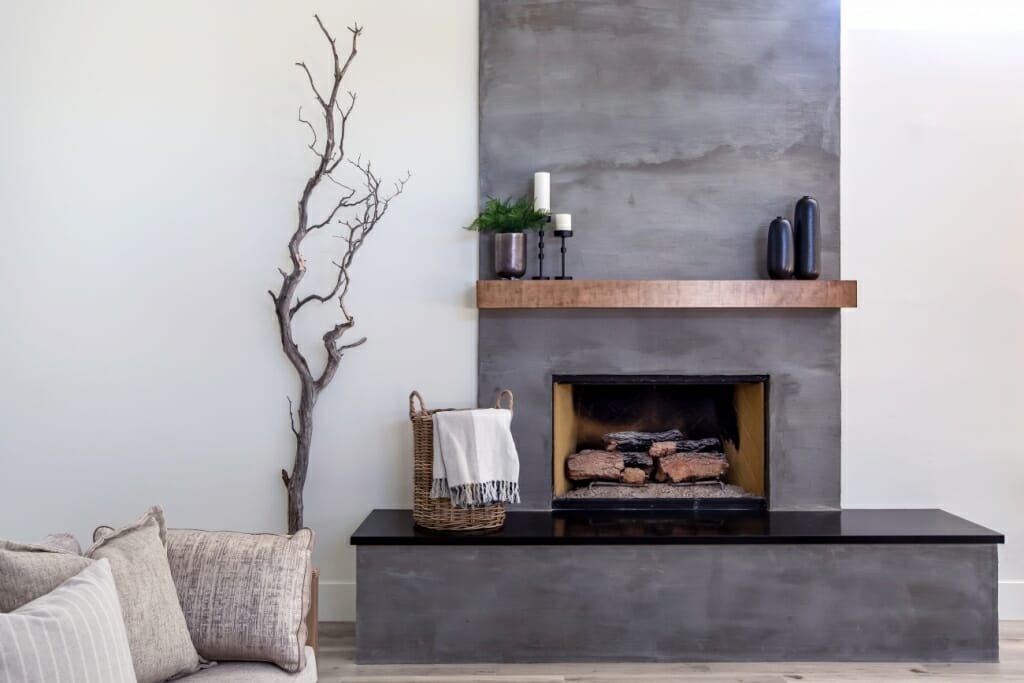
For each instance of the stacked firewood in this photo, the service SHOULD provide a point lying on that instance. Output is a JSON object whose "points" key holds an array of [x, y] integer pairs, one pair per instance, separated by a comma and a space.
{"points": [[642, 457]]}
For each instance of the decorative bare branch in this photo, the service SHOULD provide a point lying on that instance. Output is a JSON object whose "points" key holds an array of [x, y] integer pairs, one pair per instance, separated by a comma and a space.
{"points": [[312, 145], [291, 415], [359, 212]]}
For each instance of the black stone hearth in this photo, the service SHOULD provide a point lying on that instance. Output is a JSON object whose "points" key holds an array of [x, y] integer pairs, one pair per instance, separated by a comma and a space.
{"points": [[851, 585], [395, 527]]}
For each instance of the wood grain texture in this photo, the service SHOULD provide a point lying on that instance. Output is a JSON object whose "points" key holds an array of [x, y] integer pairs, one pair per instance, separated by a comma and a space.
{"points": [[313, 616], [666, 294], [337, 665]]}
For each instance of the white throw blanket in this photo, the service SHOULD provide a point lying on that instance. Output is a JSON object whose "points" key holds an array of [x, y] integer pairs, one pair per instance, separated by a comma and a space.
{"points": [[475, 458]]}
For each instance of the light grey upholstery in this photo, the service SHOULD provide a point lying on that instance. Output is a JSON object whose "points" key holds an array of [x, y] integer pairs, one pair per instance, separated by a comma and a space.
{"points": [[255, 672]]}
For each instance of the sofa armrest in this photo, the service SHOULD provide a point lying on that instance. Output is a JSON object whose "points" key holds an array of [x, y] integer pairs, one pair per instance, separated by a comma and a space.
{"points": [[312, 617]]}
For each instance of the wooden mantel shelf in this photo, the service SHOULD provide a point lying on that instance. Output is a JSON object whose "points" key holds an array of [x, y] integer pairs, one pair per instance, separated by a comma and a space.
{"points": [[666, 294]]}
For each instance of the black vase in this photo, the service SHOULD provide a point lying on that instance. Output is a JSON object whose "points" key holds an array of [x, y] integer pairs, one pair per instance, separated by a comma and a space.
{"points": [[807, 238], [780, 249]]}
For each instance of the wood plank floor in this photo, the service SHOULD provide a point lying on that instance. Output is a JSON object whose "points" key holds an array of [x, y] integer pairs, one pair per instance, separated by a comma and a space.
{"points": [[337, 665]]}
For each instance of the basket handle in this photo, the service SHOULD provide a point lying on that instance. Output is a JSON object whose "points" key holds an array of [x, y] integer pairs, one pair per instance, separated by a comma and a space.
{"points": [[503, 394], [415, 396]]}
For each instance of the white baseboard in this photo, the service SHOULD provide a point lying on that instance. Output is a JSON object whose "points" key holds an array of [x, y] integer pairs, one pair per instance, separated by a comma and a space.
{"points": [[1011, 599], [337, 600]]}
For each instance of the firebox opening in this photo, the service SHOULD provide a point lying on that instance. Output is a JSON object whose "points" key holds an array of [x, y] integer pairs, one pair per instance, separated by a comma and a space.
{"points": [[623, 441]]}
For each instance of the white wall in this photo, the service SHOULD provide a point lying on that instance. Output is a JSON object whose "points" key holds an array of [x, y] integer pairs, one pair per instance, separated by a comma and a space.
{"points": [[933, 199], [149, 168], [150, 161]]}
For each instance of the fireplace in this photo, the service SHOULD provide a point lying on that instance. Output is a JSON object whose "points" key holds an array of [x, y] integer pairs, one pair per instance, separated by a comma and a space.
{"points": [[660, 442], [662, 190]]}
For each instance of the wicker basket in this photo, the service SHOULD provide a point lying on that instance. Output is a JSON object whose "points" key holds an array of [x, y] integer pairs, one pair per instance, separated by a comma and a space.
{"points": [[438, 514]]}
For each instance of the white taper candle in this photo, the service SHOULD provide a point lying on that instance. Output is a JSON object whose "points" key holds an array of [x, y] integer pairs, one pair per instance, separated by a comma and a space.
{"points": [[542, 192]]}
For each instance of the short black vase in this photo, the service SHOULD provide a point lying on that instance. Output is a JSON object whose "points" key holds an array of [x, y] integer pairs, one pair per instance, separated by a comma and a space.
{"points": [[780, 249], [807, 239]]}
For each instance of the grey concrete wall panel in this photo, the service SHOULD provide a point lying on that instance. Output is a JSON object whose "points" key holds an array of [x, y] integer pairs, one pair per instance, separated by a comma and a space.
{"points": [[675, 131], [521, 350], [449, 604]]}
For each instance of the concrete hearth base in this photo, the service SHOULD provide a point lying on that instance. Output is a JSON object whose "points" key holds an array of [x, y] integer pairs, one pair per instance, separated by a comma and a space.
{"points": [[795, 595]]}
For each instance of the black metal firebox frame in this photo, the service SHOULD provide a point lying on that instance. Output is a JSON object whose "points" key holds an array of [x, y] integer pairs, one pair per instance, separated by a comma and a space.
{"points": [[679, 504]]}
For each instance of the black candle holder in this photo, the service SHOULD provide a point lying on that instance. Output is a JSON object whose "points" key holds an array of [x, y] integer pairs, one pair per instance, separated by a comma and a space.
{"points": [[540, 252], [563, 234]]}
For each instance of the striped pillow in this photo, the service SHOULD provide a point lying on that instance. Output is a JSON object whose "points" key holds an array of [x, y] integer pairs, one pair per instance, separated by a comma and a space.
{"points": [[74, 633]]}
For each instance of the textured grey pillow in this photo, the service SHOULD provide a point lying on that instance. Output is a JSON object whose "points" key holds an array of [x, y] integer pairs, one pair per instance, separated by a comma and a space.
{"points": [[159, 638], [73, 633], [28, 571], [63, 542], [245, 596]]}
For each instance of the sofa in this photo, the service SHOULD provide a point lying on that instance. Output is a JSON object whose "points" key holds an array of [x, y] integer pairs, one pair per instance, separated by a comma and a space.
{"points": [[146, 603]]}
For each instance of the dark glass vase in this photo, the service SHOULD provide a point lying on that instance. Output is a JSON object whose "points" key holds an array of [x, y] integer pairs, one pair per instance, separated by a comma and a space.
{"points": [[807, 239], [780, 249], [510, 255]]}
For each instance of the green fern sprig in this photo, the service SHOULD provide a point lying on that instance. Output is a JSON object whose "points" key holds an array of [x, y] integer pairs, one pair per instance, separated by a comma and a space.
{"points": [[508, 216]]}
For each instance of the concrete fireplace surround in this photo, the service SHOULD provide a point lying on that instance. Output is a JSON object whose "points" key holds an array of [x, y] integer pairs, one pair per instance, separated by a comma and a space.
{"points": [[798, 350], [675, 131]]}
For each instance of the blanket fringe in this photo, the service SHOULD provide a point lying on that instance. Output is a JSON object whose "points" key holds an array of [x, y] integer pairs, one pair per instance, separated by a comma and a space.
{"points": [[439, 489], [475, 495]]}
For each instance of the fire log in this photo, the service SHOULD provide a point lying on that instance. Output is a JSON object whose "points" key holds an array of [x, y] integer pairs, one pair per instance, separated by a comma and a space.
{"points": [[642, 461], [662, 448], [595, 465], [633, 475], [709, 445], [638, 441], [692, 466]]}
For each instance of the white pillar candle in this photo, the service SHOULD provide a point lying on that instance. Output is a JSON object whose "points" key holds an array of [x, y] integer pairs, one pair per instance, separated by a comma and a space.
{"points": [[542, 192], [563, 221]]}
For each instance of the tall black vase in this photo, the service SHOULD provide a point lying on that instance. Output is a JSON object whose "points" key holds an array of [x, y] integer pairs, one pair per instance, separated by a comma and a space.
{"points": [[780, 249], [807, 238]]}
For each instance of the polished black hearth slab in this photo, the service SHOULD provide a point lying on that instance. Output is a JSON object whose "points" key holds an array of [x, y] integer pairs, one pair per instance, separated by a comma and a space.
{"points": [[395, 527]]}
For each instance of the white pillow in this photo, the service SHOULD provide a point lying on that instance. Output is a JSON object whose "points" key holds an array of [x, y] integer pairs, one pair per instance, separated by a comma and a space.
{"points": [[73, 633]]}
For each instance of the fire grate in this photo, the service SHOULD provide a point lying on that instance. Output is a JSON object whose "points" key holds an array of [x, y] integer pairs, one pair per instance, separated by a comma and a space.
{"points": [[699, 482]]}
